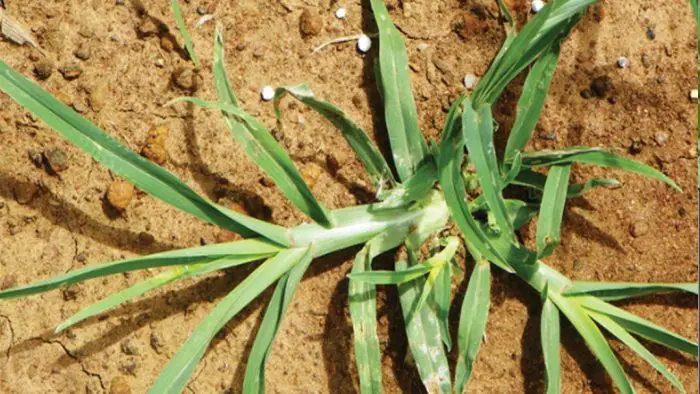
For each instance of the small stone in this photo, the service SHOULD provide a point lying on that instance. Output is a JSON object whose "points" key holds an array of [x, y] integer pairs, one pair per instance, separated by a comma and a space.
{"points": [[148, 27], [43, 68], [646, 60], [167, 44], [70, 294], [160, 62], [83, 52], [635, 147], [623, 62], [661, 138], [693, 94], [638, 229], [129, 368], [202, 11], [81, 257], [8, 282], [184, 78], [71, 70], [267, 93], [651, 34], [119, 385], [600, 86], [119, 194], [341, 13], [266, 181], [154, 149], [586, 94], [612, 100], [56, 159], [36, 158], [24, 192], [98, 97], [79, 107], [157, 343], [129, 348], [469, 81], [145, 239], [364, 43], [310, 23], [537, 6], [422, 47]]}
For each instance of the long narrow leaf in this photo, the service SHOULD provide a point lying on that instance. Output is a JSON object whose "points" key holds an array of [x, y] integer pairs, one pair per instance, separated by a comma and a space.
{"points": [[414, 189], [477, 131], [550, 337], [532, 100], [535, 180], [552, 210], [596, 157], [180, 368], [160, 280], [182, 26], [143, 173], [617, 330], [366, 152], [442, 294], [254, 381], [472, 322], [269, 155], [613, 291], [594, 339], [641, 327], [423, 333], [407, 143], [249, 248]]}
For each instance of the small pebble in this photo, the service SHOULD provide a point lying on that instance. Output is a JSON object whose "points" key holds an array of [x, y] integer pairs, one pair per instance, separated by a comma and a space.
{"points": [[43, 68], [202, 11], [83, 52], [310, 23], [71, 70], [341, 12], [154, 148], [147, 28], [24, 192], [98, 97], [623, 62], [129, 348], [651, 34], [36, 158], [537, 6], [160, 63], [364, 43], [586, 94], [119, 194], [157, 342], [8, 282], [638, 229], [661, 138], [422, 47], [612, 100], [469, 81], [267, 93], [646, 60], [56, 159], [600, 86], [79, 107], [693, 94], [184, 78], [635, 147]]}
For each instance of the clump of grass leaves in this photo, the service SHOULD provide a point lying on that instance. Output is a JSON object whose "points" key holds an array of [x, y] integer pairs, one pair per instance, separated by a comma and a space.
{"points": [[429, 193]]}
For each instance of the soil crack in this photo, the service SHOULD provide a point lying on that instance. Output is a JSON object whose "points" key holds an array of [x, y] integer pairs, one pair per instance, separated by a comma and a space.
{"points": [[74, 358], [12, 336]]}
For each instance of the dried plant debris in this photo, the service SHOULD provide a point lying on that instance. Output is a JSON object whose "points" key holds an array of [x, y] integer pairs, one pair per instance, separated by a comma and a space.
{"points": [[11, 30]]}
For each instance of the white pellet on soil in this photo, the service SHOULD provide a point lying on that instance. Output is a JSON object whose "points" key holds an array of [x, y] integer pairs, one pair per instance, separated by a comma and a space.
{"points": [[623, 62], [364, 43], [537, 6], [341, 12], [267, 93], [469, 81]]}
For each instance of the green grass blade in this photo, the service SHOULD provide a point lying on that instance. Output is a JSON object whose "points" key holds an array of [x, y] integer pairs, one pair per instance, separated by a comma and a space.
{"points": [[414, 189], [143, 173], [363, 311], [160, 280], [535, 180], [472, 322], [641, 327], [531, 101], [390, 277], [423, 333], [594, 339], [449, 164], [254, 381], [269, 155], [625, 337], [180, 368], [597, 157], [224, 90], [613, 291], [520, 212], [442, 294], [252, 248], [407, 143], [182, 26], [477, 131], [366, 151], [551, 345], [552, 210]]}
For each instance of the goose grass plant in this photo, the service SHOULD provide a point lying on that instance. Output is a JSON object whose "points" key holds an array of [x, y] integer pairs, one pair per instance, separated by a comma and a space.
{"points": [[428, 195]]}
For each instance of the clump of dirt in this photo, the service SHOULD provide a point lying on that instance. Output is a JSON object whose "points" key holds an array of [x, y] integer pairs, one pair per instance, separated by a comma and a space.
{"points": [[121, 60]]}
